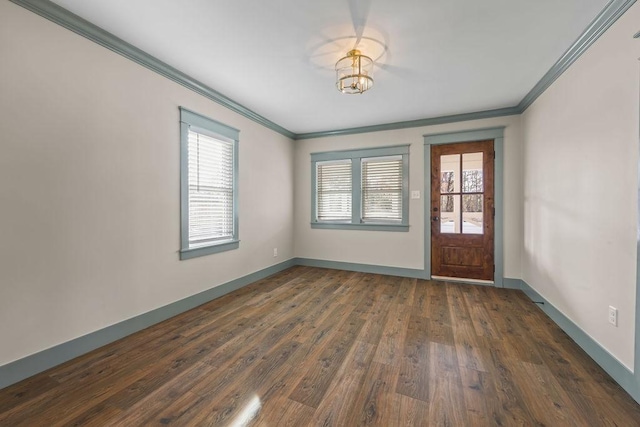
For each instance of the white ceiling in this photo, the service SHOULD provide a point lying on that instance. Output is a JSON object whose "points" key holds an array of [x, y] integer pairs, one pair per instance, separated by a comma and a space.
{"points": [[276, 57]]}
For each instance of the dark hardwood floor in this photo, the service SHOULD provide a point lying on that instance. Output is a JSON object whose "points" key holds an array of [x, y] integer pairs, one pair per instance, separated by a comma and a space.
{"points": [[321, 347]]}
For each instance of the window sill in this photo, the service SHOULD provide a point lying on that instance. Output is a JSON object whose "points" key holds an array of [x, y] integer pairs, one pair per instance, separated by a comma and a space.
{"points": [[207, 250], [370, 227]]}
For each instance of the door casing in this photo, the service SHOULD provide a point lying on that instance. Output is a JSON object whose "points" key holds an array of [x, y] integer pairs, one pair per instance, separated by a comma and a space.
{"points": [[497, 134]]}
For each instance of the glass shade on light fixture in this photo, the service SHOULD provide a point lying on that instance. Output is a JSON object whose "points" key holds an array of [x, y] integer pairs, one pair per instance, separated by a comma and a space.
{"points": [[354, 73]]}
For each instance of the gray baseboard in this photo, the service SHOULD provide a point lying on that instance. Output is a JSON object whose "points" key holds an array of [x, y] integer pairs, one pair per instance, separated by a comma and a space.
{"points": [[512, 283], [39, 362], [362, 268], [28, 366], [620, 373], [43, 360]]}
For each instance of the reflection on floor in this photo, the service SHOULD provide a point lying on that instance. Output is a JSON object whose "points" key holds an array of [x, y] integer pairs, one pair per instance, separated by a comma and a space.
{"points": [[320, 347]]}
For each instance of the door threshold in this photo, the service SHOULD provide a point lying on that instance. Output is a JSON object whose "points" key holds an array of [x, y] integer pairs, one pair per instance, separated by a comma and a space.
{"points": [[463, 280]]}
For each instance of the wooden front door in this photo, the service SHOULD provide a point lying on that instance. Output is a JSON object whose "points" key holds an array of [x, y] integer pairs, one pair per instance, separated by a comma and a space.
{"points": [[462, 210]]}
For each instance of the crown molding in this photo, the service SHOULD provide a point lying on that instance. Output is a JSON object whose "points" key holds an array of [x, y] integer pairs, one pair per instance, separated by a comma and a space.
{"points": [[78, 25], [500, 112], [71, 21], [596, 28], [610, 14]]}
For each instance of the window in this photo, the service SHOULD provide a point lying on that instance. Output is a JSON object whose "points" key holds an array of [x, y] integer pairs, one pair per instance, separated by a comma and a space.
{"points": [[361, 189], [382, 189], [208, 188], [334, 190]]}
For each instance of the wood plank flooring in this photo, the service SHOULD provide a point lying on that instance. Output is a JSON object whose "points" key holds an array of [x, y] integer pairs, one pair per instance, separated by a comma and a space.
{"points": [[321, 347]]}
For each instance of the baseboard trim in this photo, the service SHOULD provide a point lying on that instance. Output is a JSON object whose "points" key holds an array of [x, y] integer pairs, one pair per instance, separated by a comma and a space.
{"points": [[512, 283], [619, 372], [362, 268], [39, 362]]}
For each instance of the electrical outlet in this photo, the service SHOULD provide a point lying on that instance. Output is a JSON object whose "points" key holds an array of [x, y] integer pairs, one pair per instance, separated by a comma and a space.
{"points": [[275, 252], [613, 316], [415, 194]]}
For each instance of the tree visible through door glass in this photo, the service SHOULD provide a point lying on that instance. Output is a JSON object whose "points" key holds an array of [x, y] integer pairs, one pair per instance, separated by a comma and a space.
{"points": [[461, 193], [450, 193], [472, 189]]}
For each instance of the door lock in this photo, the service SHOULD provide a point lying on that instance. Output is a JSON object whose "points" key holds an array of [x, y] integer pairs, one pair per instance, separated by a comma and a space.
{"points": [[435, 218]]}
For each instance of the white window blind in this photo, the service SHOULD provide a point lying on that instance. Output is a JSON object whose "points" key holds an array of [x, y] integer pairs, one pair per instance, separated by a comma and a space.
{"points": [[333, 181], [210, 186], [382, 188]]}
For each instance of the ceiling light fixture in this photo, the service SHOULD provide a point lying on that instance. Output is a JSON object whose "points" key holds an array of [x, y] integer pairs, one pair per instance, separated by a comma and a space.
{"points": [[354, 73]]}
